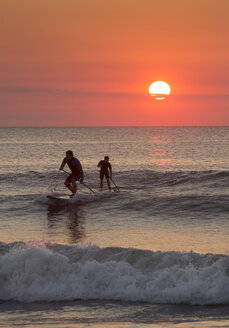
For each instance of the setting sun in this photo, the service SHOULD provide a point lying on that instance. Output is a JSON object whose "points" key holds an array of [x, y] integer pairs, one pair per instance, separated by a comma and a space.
{"points": [[159, 90]]}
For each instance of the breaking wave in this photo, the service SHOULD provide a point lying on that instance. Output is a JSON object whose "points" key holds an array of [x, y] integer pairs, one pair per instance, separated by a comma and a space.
{"points": [[54, 272]]}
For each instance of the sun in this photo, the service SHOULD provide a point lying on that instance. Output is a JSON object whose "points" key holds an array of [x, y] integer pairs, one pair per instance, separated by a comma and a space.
{"points": [[159, 90]]}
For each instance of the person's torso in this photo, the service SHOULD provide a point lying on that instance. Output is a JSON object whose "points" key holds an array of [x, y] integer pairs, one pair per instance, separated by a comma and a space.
{"points": [[104, 166], [75, 165]]}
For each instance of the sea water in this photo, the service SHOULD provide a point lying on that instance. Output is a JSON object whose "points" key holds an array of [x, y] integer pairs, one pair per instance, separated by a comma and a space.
{"points": [[154, 254]]}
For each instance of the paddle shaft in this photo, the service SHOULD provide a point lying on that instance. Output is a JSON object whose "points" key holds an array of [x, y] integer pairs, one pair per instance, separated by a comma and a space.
{"points": [[81, 182], [88, 187], [115, 184], [66, 172]]}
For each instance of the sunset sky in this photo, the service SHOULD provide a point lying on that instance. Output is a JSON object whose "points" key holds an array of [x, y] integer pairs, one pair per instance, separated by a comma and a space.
{"points": [[91, 62]]}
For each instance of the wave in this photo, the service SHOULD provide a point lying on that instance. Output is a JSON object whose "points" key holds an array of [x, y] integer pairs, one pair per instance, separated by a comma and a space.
{"points": [[177, 178], [31, 175], [165, 178], [174, 205], [53, 272]]}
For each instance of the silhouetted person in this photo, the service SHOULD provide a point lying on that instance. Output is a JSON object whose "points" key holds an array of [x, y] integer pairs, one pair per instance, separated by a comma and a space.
{"points": [[105, 169], [77, 171]]}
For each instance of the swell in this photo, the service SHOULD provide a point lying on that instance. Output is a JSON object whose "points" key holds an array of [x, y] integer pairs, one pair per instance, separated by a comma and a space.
{"points": [[174, 205], [166, 178], [147, 191], [177, 178]]}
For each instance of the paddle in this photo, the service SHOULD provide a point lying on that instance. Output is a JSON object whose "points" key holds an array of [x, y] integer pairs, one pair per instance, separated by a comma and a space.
{"points": [[65, 172], [88, 187], [115, 185], [81, 182]]}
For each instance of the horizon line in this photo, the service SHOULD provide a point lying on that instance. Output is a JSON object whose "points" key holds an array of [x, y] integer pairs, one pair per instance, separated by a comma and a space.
{"points": [[72, 92], [110, 126]]}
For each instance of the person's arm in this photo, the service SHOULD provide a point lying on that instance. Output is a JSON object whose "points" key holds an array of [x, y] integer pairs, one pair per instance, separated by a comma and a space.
{"points": [[110, 168], [63, 164], [99, 164], [81, 176], [79, 166]]}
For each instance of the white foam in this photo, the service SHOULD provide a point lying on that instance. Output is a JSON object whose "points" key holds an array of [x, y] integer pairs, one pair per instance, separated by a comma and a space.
{"points": [[57, 272]]}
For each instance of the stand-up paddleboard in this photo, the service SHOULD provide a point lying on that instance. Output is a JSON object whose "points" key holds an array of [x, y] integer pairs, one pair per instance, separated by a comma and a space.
{"points": [[59, 197]]}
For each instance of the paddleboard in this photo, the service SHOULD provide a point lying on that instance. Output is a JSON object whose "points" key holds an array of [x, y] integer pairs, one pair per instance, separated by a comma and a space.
{"points": [[59, 197]]}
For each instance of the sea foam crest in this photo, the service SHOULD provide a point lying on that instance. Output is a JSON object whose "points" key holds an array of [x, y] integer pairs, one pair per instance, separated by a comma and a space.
{"points": [[59, 272]]}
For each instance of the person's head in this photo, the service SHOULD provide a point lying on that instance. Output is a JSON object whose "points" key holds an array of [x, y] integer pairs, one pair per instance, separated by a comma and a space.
{"points": [[69, 154], [106, 159]]}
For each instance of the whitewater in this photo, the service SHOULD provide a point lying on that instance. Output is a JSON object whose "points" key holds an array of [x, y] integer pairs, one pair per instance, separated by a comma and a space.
{"points": [[61, 273]]}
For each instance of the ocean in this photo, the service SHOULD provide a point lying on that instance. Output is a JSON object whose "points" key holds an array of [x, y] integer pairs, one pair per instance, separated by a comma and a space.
{"points": [[152, 254]]}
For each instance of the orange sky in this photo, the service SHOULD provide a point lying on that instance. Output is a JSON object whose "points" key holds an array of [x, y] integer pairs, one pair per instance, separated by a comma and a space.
{"points": [[90, 62]]}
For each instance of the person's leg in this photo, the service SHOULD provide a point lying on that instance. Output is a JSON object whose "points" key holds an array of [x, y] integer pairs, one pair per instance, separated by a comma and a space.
{"points": [[101, 184], [74, 186], [101, 181], [68, 185], [68, 182], [108, 183]]}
